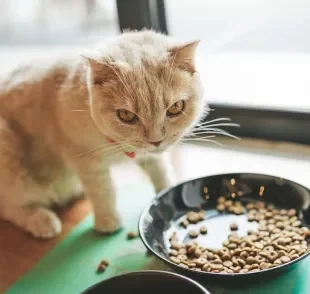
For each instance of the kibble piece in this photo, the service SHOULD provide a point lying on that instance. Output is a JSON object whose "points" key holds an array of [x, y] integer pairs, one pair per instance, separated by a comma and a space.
{"points": [[272, 256], [193, 234], [201, 262], [285, 259], [234, 227], [251, 218], [175, 259], [182, 251], [250, 260], [244, 254], [241, 262], [238, 210], [175, 245], [205, 267], [193, 219], [302, 251], [237, 269], [228, 203], [259, 259], [220, 207], [296, 223], [254, 270], [203, 230], [232, 246], [265, 265], [182, 257], [282, 253], [101, 268], [185, 223], [191, 264], [201, 215], [221, 200], [216, 266], [105, 262], [198, 253], [227, 263], [173, 252], [192, 249], [291, 212], [132, 235], [183, 265], [294, 256], [244, 270], [277, 261], [254, 266], [249, 206], [258, 245], [251, 232]]}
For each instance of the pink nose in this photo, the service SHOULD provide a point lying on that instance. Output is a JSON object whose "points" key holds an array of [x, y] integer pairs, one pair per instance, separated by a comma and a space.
{"points": [[156, 144]]}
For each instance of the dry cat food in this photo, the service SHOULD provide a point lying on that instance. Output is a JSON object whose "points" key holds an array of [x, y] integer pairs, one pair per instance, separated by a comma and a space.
{"points": [[280, 238], [102, 266], [132, 235]]}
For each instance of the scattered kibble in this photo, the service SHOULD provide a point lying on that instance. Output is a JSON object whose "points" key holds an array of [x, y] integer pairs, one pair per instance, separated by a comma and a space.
{"points": [[280, 238], [203, 230], [102, 266], [132, 235], [193, 234], [234, 227]]}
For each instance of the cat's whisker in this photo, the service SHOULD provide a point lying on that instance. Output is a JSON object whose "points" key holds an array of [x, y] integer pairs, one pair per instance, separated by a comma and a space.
{"points": [[205, 140], [215, 120], [217, 125], [191, 138], [212, 131], [216, 132]]}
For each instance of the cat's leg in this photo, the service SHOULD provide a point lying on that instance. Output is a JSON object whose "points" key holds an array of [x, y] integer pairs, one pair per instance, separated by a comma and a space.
{"points": [[160, 170], [37, 220], [100, 190]]}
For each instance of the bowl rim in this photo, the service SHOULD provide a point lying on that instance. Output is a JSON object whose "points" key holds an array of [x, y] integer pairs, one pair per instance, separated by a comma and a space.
{"points": [[202, 273], [151, 272]]}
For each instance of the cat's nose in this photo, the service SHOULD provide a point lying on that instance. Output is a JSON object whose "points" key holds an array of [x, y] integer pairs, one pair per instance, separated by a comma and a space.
{"points": [[156, 144]]}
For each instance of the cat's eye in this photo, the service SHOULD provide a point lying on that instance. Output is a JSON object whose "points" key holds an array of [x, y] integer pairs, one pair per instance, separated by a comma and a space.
{"points": [[176, 108], [127, 116]]}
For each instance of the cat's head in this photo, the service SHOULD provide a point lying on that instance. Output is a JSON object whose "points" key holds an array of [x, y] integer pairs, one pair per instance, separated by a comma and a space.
{"points": [[145, 92]]}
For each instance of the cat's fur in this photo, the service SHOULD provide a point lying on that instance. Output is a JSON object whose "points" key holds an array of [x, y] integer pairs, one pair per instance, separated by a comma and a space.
{"points": [[55, 121]]}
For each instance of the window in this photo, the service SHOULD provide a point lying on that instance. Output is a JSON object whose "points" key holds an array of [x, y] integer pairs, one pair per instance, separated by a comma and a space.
{"points": [[253, 53]]}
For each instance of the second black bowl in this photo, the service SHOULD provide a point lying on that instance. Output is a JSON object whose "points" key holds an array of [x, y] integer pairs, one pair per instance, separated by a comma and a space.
{"points": [[151, 282]]}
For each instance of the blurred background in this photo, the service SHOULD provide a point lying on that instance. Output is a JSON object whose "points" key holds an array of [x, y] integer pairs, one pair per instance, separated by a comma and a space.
{"points": [[254, 55]]}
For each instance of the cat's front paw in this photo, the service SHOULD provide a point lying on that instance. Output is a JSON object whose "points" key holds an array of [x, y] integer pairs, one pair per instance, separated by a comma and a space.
{"points": [[43, 223], [108, 223]]}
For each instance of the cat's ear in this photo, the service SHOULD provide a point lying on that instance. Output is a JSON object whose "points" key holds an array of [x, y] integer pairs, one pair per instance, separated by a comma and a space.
{"points": [[102, 72], [183, 56]]}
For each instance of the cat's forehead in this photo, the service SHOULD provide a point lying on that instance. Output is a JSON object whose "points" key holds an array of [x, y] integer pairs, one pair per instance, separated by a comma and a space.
{"points": [[152, 90]]}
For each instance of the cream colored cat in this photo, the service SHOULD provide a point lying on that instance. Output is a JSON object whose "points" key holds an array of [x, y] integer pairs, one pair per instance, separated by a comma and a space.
{"points": [[66, 122]]}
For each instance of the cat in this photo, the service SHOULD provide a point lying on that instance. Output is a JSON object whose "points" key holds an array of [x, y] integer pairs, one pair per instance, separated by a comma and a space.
{"points": [[64, 123]]}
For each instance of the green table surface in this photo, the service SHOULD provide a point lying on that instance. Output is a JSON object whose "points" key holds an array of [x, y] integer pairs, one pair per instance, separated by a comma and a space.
{"points": [[71, 266]]}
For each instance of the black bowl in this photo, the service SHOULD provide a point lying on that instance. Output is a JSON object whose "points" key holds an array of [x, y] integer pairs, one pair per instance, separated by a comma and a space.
{"points": [[163, 215], [151, 282]]}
